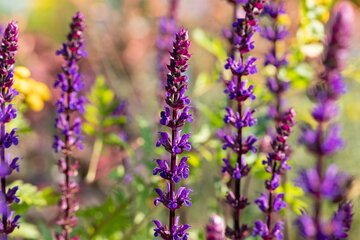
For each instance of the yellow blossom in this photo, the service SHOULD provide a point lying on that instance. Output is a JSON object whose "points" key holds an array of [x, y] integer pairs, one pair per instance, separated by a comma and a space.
{"points": [[34, 93]]}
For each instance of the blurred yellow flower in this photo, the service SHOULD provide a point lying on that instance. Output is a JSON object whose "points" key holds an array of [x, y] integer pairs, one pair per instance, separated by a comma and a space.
{"points": [[35, 93], [284, 19]]}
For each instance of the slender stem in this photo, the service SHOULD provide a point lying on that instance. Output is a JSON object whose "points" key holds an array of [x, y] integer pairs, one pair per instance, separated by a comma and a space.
{"points": [[94, 161], [3, 179], [319, 169], [67, 170], [237, 213], [172, 166], [271, 196]]}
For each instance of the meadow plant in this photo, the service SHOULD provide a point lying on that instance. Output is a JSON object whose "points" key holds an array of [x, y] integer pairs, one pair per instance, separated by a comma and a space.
{"points": [[174, 116], [68, 123], [9, 47], [241, 116], [326, 182], [276, 165]]}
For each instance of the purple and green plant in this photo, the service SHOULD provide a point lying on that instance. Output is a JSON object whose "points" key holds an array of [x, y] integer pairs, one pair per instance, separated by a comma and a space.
{"points": [[276, 165], [105, 117], [239, 115], [70, 107], [326, 182], [9, 47], [174, 116]]}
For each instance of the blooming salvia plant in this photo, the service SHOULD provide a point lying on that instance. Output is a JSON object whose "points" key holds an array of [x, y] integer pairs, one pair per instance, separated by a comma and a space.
{"points": [[215, 229], [276, 165], [326, 182], [275, 32], [167, 30], [240, 117], [68, 123], [174, 116], [9, 47]]}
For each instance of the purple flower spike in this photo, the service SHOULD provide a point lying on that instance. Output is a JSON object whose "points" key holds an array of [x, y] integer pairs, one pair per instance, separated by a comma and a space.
{"points": [[167, 31], [69, 136], [275, 33], [238, 117], [174, 116], [9, 47], [276, 165], [326, 182]]}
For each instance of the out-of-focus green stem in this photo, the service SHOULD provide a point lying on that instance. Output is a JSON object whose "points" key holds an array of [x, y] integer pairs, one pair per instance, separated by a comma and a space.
{"points": [[94, 161]]}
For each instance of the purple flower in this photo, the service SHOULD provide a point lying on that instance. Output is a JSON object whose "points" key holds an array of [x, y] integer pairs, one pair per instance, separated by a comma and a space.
{"points": [[332, 186], [9, 47], [181, 170], [174, 116], [215, 229], [307, 226], [342, 220], [178, 231], [69, 106], [329, 144], [262, 202]]}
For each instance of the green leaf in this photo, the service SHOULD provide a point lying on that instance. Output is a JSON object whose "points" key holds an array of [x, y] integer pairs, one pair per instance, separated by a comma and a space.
{"points": [[26, 231]]}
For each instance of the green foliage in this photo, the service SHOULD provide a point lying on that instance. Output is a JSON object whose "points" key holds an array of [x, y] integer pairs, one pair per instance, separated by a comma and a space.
{"points": [[293, 196], [124, 214], [30, 197], [99, 113]]}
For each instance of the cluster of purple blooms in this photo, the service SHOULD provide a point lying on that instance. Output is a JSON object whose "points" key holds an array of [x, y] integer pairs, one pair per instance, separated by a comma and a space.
{"points": [[9, 47], [241, 117], [326, 182], [69, 106], [174, 116], [276, 165], [167, 30], [274, 32]]}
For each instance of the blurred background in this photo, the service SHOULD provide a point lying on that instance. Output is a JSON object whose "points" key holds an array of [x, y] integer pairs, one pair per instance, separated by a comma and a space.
{"points": [[121, 119]]}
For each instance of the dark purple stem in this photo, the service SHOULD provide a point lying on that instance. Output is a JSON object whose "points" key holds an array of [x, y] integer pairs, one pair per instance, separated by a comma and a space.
{"points": [[3, 179], [172, 167]]}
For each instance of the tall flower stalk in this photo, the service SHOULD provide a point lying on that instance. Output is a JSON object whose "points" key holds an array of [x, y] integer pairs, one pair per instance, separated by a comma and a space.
{"points": [[238, 115], [276, 165], [68, 122], [174, 116], [167, 30], [326, 182], [275, 32], [9, 47]]}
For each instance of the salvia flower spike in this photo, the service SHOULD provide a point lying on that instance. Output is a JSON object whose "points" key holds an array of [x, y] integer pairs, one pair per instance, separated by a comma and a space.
{"points": [[326, 182], [276, 165], [68, 122], [174, 116], [275, 32], [239, 91], [9, 47]]}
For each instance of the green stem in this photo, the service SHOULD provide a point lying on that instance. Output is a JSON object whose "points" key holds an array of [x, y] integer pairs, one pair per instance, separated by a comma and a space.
{"points": [[94, 161]]}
